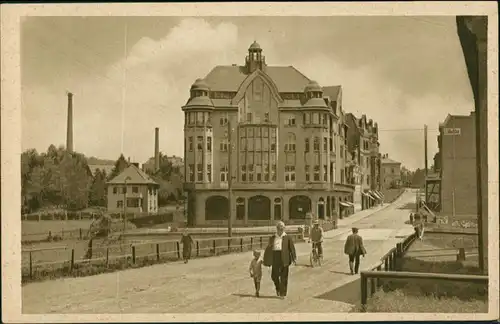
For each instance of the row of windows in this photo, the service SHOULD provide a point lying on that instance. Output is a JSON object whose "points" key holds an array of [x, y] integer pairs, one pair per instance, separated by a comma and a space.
{"points": [[257, 132], [123, 190], [131, 203], [251, 118], [258, 172], [251, 144]]}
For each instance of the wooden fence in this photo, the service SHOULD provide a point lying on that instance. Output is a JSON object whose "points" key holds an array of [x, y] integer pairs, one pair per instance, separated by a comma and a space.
{"points": [[66, 259], [388, 268], [388, 263]]}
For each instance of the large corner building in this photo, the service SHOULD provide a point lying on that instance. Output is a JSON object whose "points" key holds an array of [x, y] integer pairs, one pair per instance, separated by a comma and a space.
{"points": [[285, 136]]}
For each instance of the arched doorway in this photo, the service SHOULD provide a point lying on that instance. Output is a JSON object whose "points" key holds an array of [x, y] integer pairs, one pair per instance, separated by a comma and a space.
{"points": [[259, 208], [216, 208], [321, 208], [240, 208], [277, 209], [299, 206]]}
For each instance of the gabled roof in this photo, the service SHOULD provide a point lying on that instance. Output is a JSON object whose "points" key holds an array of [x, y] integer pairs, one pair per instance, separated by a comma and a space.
{"points": [[389, 161], [134, 175], [229, 78]]}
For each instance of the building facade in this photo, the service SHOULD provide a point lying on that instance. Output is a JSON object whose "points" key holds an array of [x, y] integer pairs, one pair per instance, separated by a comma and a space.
{"points": [[390, 173], [363, 146], [456, 165], [271, 134], [136, 188]]}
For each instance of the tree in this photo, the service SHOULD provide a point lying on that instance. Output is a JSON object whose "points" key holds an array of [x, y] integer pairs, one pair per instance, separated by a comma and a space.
{"points": [[120, 165], [97, 195]]}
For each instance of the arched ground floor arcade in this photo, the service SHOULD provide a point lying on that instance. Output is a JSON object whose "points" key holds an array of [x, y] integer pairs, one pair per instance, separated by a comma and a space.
{"points": [[255, 207]]}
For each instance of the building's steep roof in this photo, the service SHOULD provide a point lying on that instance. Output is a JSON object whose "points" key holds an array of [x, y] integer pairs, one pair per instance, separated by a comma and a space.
{"points": [[332, 92], [389, 161], [229, 78], [134, 175]]}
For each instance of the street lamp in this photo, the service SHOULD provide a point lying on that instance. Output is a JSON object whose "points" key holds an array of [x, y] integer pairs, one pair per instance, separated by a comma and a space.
{"points": [[230, 180], [125, 204]]}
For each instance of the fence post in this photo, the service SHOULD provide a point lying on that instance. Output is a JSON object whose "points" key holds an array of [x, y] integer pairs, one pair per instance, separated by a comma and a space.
{"points": [[261, 242], [157, 251], [229, 245], [197, 248], [461, 254], [251, 243], [241, 244], [215, 251], [379, 268], [178, 249], [394, 258], [364, 292], [133, 254], [107, 257], [386, 264], [80, 233], [31, 266], [390, 262], [72, 262], [372, 286]]}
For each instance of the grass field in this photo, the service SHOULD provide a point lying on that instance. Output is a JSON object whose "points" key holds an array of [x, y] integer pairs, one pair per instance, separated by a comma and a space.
{"points": [[399, 302], [430, 296], [39, 230]]}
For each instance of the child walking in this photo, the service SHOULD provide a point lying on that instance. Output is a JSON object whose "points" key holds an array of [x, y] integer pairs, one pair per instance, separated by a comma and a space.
{"points": [[255, 270]]}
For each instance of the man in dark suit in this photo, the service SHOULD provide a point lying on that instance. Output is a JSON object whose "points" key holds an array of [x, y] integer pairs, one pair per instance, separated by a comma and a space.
{"points": [[354, 248], [279, 254]]}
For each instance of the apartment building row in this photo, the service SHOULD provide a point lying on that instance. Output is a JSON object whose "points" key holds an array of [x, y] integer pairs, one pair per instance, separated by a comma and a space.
{"points": [[282, 142]]}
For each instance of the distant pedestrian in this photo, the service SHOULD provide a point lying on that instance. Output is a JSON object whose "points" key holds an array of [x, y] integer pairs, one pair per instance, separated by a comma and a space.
{"points": [[280, 254], [354, 248], [187, 242], [255, 270], [421, 231]]}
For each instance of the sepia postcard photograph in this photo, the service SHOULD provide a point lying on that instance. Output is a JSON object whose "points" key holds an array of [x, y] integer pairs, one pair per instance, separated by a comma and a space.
{"points": [[249, 162]]}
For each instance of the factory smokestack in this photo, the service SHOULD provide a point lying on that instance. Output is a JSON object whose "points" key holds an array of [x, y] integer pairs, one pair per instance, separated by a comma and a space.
{"points": [[69, 133], [157, 149]]}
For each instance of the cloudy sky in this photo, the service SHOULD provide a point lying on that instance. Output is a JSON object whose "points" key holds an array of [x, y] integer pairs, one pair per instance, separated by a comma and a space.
{"points": [[403, 72]]}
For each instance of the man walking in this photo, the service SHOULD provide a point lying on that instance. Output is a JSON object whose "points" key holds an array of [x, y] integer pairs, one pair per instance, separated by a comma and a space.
{"points": [[279, 254], [354, 248]]}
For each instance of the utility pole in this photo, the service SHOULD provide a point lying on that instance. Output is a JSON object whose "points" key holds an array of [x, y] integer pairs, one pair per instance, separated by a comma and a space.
{"points": [[229, 181], [425, 162], [125, 204]]}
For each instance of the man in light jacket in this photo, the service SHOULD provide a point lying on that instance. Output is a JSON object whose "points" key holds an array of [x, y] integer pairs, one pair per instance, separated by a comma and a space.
{"points": [[279, 254], [354, 248]]}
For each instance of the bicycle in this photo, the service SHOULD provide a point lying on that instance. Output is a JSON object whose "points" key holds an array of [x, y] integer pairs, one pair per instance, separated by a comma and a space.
{"points": [[314, 258]]}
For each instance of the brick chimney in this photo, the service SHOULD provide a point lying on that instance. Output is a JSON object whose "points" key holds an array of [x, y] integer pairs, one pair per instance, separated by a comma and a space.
{"points": [[157, 149], [69, 132]]}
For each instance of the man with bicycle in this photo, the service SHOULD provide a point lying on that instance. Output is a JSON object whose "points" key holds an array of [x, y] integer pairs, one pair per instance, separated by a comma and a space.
{"points": [[317, 237]]}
